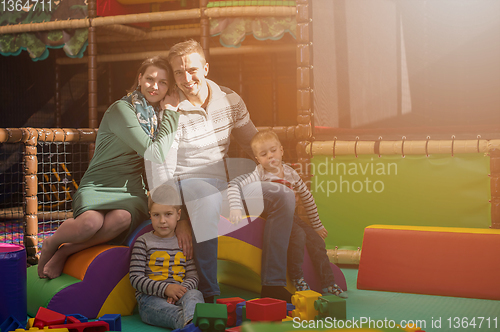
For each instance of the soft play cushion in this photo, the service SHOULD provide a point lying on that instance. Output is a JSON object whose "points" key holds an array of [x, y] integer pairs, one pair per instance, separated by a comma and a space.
{"points": [[462, 262]]}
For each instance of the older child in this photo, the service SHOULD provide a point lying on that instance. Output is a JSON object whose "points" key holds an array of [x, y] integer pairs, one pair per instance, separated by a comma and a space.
{"points": [[164, 280], [268, 151]]}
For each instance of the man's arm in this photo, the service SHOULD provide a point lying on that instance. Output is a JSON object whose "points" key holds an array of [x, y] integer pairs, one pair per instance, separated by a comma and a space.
{"points": [[184, 236], [243, 135]]}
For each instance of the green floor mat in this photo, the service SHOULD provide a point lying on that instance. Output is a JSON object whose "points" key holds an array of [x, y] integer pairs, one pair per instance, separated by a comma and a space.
{"points": [[455, 314], [135, 324]]}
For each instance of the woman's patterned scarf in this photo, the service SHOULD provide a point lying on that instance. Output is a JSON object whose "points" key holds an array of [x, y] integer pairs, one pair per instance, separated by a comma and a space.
{"points": [[146, 114]]}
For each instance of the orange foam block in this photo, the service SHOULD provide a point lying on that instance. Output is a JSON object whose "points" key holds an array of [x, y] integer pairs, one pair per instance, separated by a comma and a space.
{"points": [[461, 262]]}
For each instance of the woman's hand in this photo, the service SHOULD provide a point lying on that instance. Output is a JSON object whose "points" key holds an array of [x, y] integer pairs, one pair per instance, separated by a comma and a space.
{"points": [[185, 238], [171, 101]]}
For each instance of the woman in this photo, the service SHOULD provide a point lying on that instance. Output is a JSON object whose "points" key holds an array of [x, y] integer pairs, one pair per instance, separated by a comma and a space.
{"points": [[111, 200]]}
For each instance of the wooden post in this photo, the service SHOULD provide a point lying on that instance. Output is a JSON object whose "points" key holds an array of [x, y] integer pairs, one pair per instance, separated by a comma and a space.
{"points": [[304, 88], [57, 96], [205, 30], [110, 83], [92, 71], [495, 187], [274, 82], [241, 58], [303, 131], [342, 63], [30, 194]]}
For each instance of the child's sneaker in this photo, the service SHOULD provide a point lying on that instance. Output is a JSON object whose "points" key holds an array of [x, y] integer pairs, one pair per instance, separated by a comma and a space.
{"points": [[300, 284], [335, 290]]}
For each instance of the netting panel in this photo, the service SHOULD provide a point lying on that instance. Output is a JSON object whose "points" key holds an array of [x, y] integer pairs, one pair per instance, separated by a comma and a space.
{"points": [[61, 166], [11, 193]]}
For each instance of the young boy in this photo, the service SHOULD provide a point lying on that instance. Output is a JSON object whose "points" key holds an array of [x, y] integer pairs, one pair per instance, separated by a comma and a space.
{"points": [[165, 282], [268, 151]]}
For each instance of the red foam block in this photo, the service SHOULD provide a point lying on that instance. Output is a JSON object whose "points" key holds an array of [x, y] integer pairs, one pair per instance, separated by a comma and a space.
{"points": [[266, 309], [230, 302], [96, 326], [47, 317], [444, 261]]}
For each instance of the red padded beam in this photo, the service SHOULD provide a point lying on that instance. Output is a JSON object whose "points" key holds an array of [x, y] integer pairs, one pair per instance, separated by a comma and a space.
{"points": [[431, 260]]}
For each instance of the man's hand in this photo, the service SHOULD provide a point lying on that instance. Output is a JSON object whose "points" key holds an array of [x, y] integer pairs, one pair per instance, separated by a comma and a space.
{"points": [[170, 300], [235, 216], [185, 238], [171, 101], [322, 232], [175, 292]]}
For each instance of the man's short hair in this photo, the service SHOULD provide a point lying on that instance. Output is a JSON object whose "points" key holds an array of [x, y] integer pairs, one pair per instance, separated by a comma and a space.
{"points": [[185, 48], [164, 194]]}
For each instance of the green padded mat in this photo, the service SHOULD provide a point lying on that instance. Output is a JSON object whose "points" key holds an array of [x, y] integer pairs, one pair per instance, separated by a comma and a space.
{"points": [[398, 306], [354, 192], [134, 323], [393, 306]]}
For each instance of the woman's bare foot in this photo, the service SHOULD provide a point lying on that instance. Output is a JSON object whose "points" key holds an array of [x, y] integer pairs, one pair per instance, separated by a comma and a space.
{"points": [[48, 250], [54, 267]]}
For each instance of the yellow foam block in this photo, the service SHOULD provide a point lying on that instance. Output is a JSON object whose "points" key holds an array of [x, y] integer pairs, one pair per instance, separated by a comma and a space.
{"points": [[234, 250], [304, 304], [121, 300]]}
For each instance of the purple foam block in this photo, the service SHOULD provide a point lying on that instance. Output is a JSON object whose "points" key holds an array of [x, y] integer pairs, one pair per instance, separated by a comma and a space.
{"points": [[88, 296]]}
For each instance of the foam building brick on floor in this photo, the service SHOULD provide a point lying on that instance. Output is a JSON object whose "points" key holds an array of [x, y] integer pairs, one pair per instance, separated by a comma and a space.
{"points": [[96, 326], [45, 329], [241, 313], [231, 303], [210, 317], [304, 304], [114, 321], [188, 328], [10, 324], [47, 317], [330, 306], [266, 310], [81, 318]]}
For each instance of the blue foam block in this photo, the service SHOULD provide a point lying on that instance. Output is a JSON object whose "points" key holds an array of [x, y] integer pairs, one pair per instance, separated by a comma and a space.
{"points": [[114, 321]]}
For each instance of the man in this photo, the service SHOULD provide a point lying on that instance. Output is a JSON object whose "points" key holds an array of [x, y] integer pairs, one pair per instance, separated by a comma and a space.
{"points": [[209, 114]]}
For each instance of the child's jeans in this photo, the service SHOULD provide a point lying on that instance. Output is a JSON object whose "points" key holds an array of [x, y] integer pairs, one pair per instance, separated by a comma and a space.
{"points": [[304, 235], [157, 311]]}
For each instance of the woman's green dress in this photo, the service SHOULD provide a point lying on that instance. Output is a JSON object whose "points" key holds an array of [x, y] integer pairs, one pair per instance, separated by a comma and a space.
{"points": [[114, 178]]}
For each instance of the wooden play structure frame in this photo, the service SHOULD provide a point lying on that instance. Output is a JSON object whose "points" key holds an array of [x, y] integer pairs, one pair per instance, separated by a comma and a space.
{"points": [[302, 132], [30, 136]]}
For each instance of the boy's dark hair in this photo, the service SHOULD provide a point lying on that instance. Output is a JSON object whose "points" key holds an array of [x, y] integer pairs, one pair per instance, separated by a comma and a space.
{"points": [[164, 194]]}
